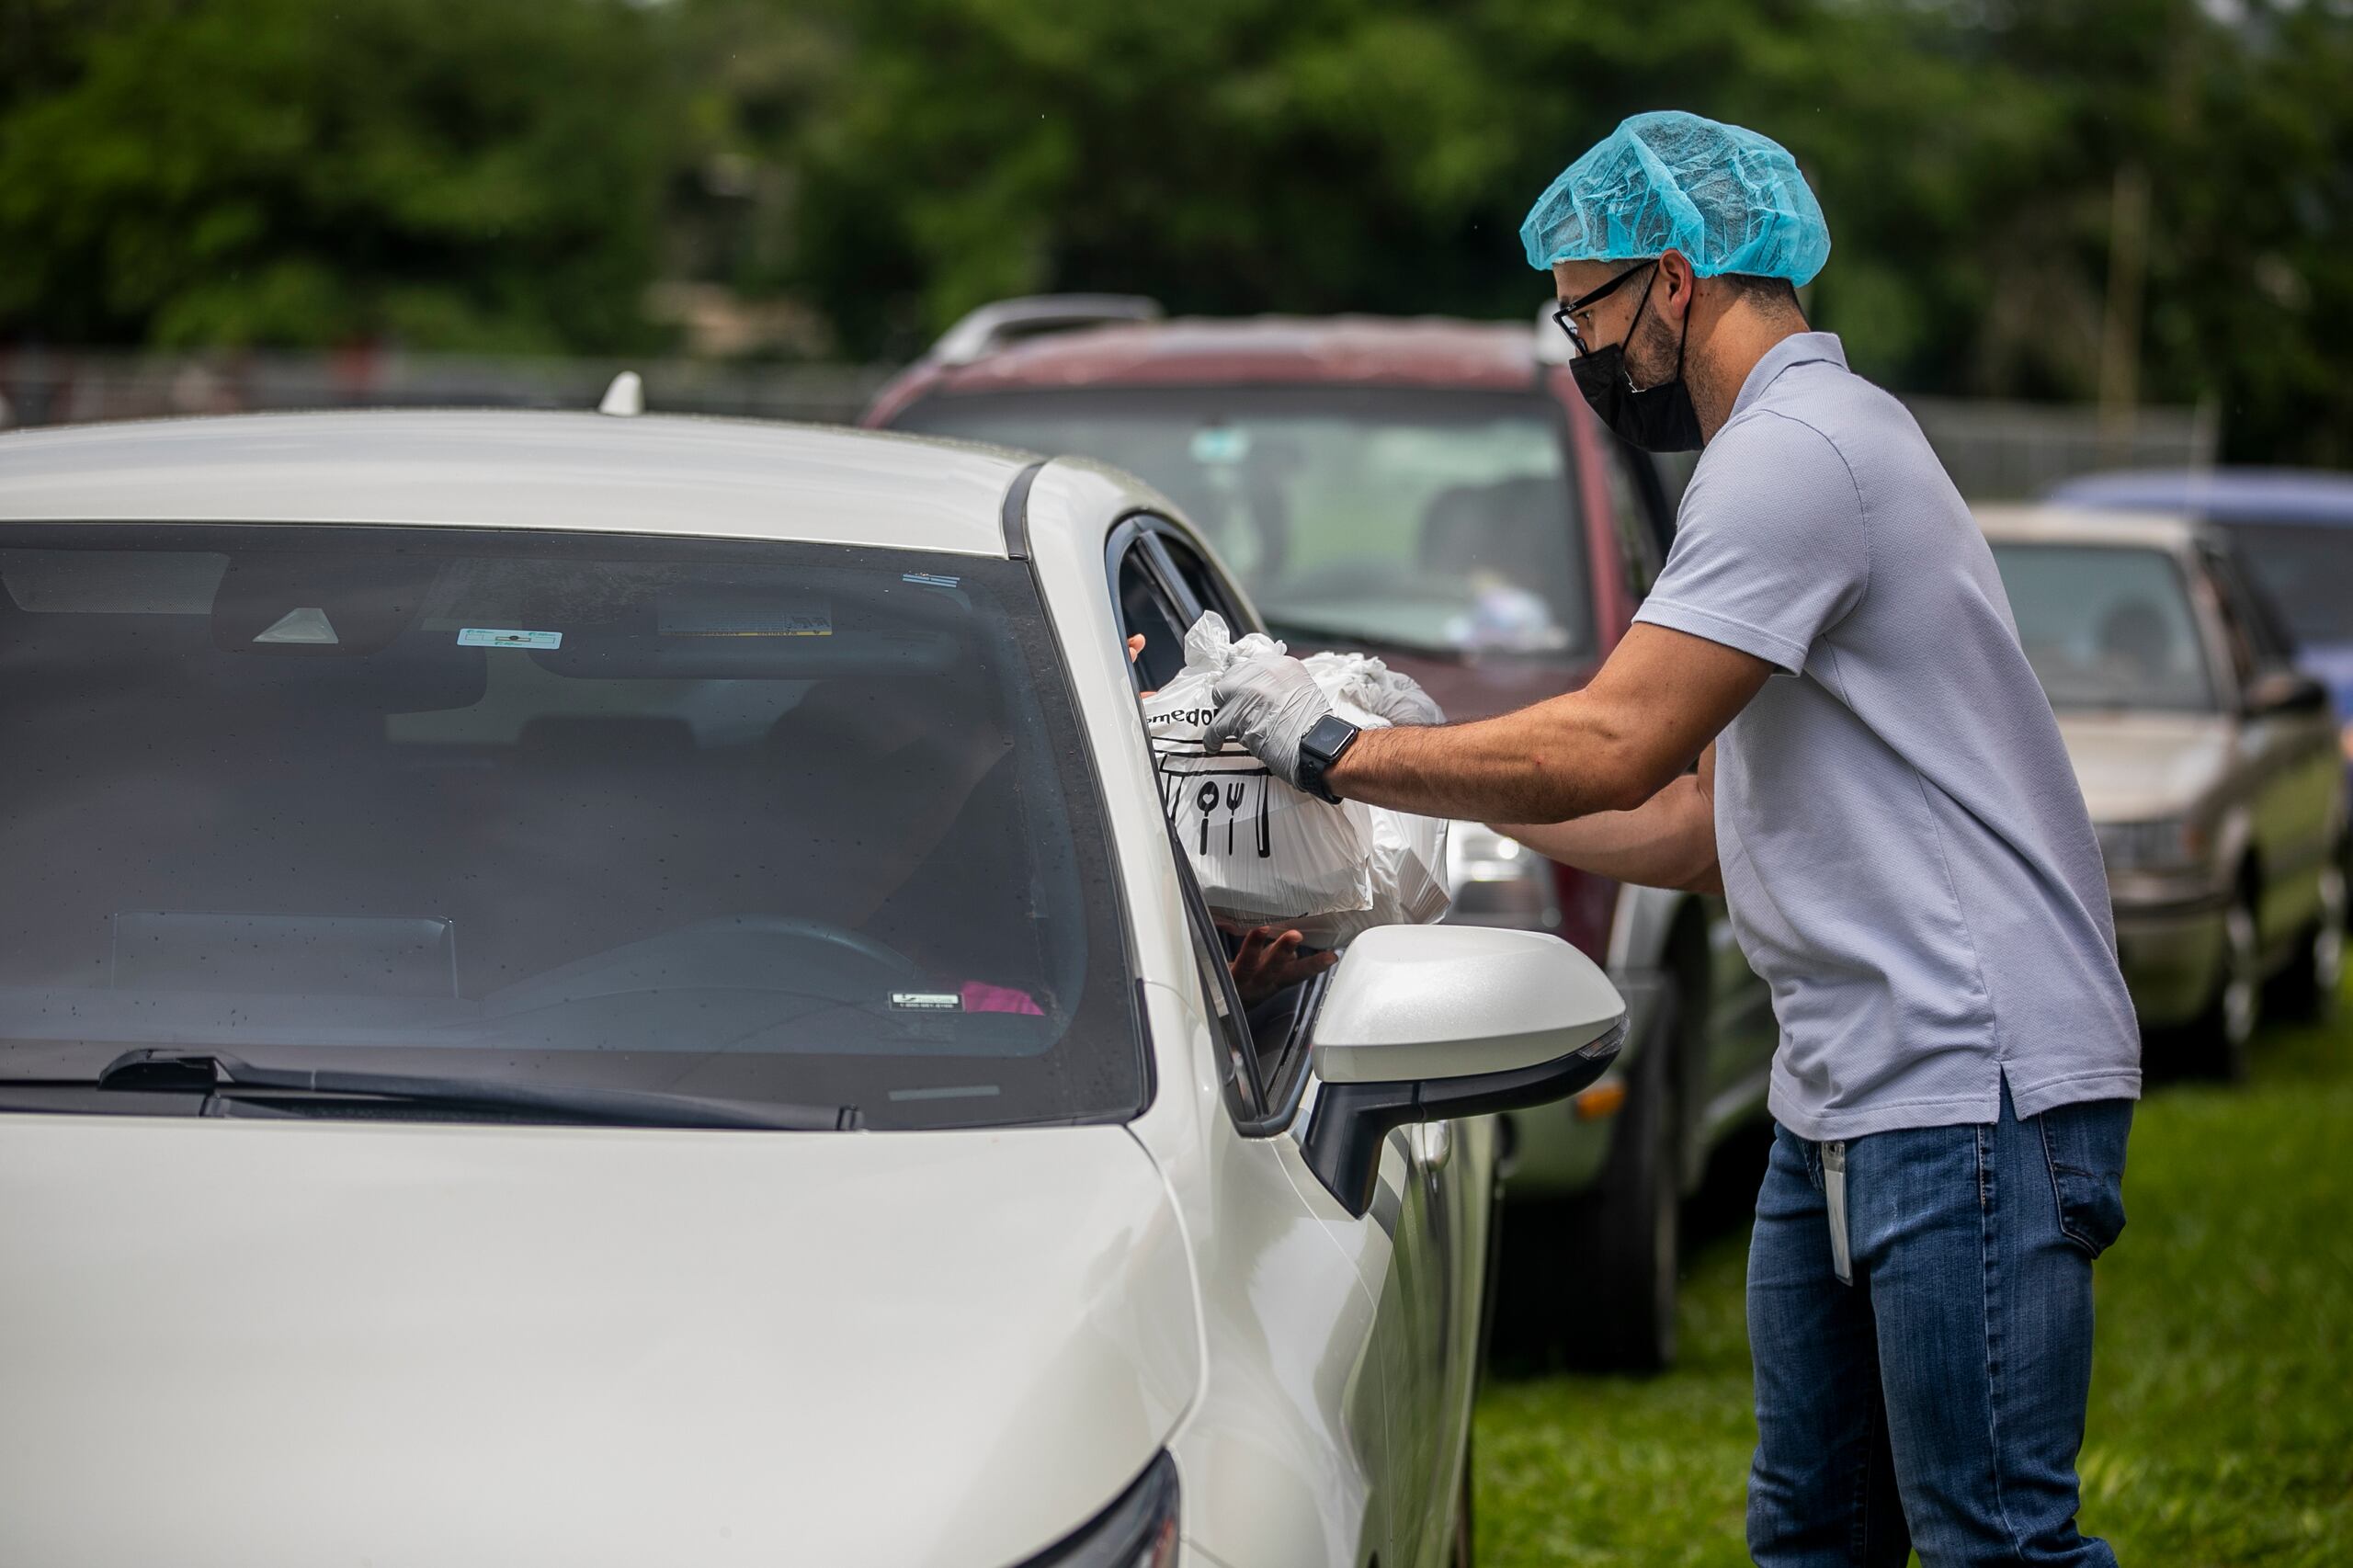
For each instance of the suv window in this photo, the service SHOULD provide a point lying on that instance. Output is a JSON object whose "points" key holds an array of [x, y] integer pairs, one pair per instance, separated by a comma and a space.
{"points": [[1437, 520]]}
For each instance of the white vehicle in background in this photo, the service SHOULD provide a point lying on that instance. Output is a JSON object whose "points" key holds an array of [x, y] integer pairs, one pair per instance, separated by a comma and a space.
{"points": [[616, 991]]}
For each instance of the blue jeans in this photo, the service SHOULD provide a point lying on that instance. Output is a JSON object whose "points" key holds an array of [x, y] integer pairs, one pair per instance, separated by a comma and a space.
{"points": [[1938, 1402]]}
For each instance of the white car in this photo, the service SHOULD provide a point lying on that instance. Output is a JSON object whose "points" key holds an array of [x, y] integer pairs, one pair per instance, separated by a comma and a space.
{"points": [[615, 992]]}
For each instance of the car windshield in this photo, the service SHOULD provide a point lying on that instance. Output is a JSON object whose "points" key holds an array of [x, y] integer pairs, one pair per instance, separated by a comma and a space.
{"points": [[2106, 626], [750, 822], [2307, 569], [1434, 521]]}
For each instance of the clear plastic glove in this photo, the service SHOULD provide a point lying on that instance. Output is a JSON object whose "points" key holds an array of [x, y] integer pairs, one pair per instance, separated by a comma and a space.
{"points": [[1399, 699], [1268, 702]]}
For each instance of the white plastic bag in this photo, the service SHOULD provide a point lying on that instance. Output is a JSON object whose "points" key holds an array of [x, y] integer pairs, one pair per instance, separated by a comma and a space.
{"points": [[1407, 868], [1262, 850]]}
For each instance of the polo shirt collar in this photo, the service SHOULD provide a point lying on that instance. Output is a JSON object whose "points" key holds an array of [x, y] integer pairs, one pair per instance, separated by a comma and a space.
{"points": [[1797, 348]]}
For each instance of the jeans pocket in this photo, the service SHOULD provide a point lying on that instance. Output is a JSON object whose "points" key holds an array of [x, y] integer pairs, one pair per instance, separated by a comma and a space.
{"points": [[2084, 1145]]}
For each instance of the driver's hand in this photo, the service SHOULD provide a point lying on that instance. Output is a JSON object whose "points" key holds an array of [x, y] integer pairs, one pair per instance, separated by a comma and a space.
{"points": [[1268, 961], [1135, 652]]}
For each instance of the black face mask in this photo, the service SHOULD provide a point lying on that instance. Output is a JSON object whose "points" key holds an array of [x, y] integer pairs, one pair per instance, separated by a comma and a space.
{"points": [[1656, 419]]}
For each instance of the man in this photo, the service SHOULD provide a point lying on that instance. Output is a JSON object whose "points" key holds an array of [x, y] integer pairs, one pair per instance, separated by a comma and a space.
{"points": [[1894, 822]]}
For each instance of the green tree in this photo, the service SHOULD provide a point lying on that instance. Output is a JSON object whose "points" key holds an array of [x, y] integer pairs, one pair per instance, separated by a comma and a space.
{"points": [[463, 174], [1337, 155]]}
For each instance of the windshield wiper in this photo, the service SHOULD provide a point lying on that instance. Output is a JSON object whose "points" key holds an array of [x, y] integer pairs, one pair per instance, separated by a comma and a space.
{"points": [[219, 1075]]}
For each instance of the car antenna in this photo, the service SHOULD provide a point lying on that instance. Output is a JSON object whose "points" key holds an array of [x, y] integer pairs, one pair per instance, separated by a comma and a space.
{"points": [[625, 397]]}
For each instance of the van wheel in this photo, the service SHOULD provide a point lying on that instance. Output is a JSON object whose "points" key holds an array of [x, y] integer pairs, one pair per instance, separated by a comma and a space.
{"points": [[2307, 988], [2220, 1042]]}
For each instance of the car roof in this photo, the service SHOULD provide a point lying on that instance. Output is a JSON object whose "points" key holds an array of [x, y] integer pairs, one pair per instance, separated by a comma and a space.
{"points": [[2228, 495], [2078, 524], [748, 479], [1428, 351]]}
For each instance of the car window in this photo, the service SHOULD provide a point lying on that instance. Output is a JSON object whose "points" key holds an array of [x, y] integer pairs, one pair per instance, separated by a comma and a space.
{"points": [[1207, 588], [1147, 610], [1220, 1003], [2275, 645], [1264, 1040], [1637, 543], [743, 821], [2238, 629], [2106, 626], [1437, 520]]}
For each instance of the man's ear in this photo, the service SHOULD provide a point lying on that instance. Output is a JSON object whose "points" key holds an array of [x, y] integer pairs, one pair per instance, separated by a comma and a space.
{"points": [[1675, 273]]}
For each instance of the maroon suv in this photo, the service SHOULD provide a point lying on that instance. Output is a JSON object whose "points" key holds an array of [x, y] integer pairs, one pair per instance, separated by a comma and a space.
{"points": [[1435, 491]]}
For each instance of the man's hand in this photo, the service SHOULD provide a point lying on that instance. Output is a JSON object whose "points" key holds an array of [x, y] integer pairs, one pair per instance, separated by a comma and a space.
{"points": [[1268, 961], [1269, 704]]}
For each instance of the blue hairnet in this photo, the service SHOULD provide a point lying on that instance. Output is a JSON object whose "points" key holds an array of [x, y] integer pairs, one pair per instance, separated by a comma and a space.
{"points": [[1728, 199]]}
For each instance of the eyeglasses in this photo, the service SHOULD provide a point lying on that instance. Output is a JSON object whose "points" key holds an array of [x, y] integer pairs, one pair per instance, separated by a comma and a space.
{"points": [[1562, 313]]}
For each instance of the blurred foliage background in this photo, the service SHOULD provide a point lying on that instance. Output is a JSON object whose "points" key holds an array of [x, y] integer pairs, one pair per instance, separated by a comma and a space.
{"points": [[2143, 201]]}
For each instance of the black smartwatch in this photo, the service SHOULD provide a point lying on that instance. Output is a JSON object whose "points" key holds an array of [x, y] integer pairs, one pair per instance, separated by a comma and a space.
{"points": [[1324, 745]]}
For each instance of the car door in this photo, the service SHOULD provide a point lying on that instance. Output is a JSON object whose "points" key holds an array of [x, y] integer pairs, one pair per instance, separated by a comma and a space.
{"points": [[1425, 1289]]}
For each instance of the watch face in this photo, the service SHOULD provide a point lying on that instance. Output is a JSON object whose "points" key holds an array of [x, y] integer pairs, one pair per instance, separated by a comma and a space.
{"points": [[1330, 733]]}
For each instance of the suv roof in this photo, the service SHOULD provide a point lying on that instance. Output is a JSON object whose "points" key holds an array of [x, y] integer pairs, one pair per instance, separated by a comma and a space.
{"points": [[1423, 351]]}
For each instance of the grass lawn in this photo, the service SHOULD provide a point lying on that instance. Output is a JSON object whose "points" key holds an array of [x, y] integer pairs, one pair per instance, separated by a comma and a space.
{"points": [[2221, 1416]]}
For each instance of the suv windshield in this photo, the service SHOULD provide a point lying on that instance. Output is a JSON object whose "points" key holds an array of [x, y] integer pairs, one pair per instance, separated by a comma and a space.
{"points": [[1429, 520], [2107, 628], [764, 823]]}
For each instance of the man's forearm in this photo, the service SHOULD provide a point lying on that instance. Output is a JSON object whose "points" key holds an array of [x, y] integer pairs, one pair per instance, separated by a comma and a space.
{"points": [[1668, 841], [1548, 763]]}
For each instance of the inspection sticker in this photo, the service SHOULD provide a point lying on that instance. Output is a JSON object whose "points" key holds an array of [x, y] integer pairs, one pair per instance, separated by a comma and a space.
{"points": [[929, 579], [928, 1001], [501, 637]]}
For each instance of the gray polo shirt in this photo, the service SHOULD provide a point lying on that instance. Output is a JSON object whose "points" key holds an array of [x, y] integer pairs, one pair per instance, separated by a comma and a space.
{"points": [[1905, 852]]}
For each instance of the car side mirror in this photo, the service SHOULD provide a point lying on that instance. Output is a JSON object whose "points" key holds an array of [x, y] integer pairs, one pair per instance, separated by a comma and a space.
{"points": [[2285, 691], [1423, 1023]]}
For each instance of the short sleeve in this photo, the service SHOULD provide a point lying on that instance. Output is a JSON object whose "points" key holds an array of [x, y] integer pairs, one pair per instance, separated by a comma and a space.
{"points": [[1770, 547]]}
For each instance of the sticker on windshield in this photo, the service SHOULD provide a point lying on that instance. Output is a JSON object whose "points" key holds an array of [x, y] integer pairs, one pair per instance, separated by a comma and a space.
{"points": [[929, 579], [1220, 445], [503, 637], [928, 1001]]}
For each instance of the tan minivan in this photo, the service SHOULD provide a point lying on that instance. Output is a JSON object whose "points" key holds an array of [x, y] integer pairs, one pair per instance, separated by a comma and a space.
{"points": [[2211, 765]]}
